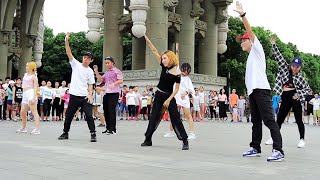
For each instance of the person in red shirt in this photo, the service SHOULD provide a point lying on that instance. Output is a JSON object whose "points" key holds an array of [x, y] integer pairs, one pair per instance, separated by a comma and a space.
{"points": [[123, 103]]}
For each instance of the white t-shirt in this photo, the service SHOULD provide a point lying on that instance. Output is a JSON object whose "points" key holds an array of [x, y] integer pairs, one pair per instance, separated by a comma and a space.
{"points": [[131, 98], [256, 77], [57, 92], [144, 100], [241, 103], [196, 101], [137, 99], [62, 90], [315, 103], [201, 96], [97, 98], [185, 86], [41, 88], [48, 93], [80, 78]]}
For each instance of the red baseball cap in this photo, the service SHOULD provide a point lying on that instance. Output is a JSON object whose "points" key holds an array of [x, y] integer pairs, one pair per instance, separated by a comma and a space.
{"points": [[239, 38]]}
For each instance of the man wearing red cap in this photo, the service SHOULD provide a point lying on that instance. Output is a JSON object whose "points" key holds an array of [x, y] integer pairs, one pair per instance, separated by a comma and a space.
{"points": [[293, 88], [259, 92]]}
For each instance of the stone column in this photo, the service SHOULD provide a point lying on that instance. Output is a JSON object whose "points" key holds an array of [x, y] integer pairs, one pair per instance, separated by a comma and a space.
{"points": [[27, 41], [4, 37], [208, 58], [9, 68], [138, 53], [187, 32], [157, 31], [38, 45], [112, 44]]}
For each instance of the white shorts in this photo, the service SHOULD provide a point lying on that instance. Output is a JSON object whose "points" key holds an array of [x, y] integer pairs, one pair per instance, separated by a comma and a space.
{"points": [[185, 103], [196, 108], [100, 109], [27, 96]]}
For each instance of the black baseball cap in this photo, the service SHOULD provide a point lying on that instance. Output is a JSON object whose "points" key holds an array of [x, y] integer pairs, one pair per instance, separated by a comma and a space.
{"points": [[110, 59], [88, 54]]}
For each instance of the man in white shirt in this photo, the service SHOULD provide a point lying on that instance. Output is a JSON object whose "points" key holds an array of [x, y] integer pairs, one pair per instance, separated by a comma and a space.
{"points": [[259, 92], [81, 91]]}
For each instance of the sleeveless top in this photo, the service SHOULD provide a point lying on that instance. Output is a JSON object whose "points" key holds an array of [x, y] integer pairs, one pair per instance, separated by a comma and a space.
{"points": [[27, 81]]}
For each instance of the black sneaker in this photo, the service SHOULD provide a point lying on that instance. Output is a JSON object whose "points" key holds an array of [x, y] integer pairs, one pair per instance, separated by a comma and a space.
{"points": [[64, 136], [185, 145], [93, 137], [146, 143]]}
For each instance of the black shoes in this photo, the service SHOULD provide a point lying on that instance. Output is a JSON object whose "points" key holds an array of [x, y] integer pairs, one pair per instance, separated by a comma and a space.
{"points": [[146, 143], [93, 137], [185, 145], [64, 136], [108, 132]]}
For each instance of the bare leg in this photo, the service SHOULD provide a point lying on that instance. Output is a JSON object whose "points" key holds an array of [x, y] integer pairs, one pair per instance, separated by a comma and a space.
{"points": [[33, 108], [23, 115]]}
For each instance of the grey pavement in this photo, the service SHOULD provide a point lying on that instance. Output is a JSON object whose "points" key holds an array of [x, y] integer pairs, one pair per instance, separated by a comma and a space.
{"points": [[215, 154]]}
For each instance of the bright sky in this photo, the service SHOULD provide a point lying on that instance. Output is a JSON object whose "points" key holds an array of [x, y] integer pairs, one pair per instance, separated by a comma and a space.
{"points": [[293, 21]]}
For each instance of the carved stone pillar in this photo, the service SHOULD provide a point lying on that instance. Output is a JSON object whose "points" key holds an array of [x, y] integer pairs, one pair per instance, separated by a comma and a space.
{"points": [[186, 34], [138, 53], [157, 31], [27, 42], [4, 37], [208, 46], [112, 44], [38, 45], [222, 20], [94, 15], [139, 15]]}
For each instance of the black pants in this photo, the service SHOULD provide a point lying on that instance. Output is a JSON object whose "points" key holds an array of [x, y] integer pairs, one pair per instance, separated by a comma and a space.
{"points": [[5, 107], [212, 112], [61, 108], [286, 105], [149, 111], [155, 119], [56, 107], [222, 109], [261, 109], [74, 104], [110, 101], [132, 110], [47, 107], [0, 111]]}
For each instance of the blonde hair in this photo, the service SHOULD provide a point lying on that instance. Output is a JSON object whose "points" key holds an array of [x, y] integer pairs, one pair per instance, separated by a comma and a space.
{"points": [[173, 59], [32, 66]]}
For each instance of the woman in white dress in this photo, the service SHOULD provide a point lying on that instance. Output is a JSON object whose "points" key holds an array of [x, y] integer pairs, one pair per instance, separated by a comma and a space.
{"points": [[183, 99]]}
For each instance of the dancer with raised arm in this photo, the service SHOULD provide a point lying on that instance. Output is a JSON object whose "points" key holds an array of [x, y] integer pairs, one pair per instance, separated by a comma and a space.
{"points": [[81, 91], [29, 97], [259, 92], [293, 88], [170, 76]]}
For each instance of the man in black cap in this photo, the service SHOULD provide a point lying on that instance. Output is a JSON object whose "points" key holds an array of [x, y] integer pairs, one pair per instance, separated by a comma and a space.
{"points": [[293, 88], [81, 91]]}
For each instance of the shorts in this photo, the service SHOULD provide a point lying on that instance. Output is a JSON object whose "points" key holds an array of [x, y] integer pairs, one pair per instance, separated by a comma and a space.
{"points": [[316, 113], [41, 101], [122, 107], [65, 106], [196, 108], [100, 109], [27, 96], [9, 102]]}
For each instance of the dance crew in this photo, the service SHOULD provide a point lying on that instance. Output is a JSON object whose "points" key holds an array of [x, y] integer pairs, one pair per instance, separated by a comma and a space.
{"points": [[259, 92], [170, 76], [293, 88], [81, 91]]}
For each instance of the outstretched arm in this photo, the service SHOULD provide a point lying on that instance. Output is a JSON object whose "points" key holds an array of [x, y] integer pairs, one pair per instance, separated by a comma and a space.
{"points": [[239, 9], [68, 50], [153, 49], [277, 54]]}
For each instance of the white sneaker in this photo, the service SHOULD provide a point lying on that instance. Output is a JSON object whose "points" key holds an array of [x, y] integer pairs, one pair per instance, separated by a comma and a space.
{"points": [[169, 134], [192, 135], [35, 131], [22, 130], [269, 142], [301, 143]]}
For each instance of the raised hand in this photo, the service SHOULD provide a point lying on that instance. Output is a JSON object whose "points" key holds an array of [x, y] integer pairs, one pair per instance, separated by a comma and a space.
{"points": [[67, 36], [95, 68], [239, 8], [273, 41]]}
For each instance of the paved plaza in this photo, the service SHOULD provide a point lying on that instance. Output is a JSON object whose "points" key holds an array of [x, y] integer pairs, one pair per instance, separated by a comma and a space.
{"points": [[215, 154]]}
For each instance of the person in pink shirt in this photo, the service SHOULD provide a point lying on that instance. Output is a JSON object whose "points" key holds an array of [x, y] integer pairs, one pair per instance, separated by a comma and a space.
{"points": [[112, 79], [66, 98]]}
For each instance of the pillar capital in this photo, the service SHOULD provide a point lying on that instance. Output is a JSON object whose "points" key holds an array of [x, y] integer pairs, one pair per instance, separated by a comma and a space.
{"points": [[4, 34], [30, 40]]}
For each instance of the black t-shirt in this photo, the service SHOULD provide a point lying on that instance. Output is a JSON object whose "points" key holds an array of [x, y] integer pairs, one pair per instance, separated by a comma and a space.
{"points": [[19, 95], [167, 80], [308, 99]]}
